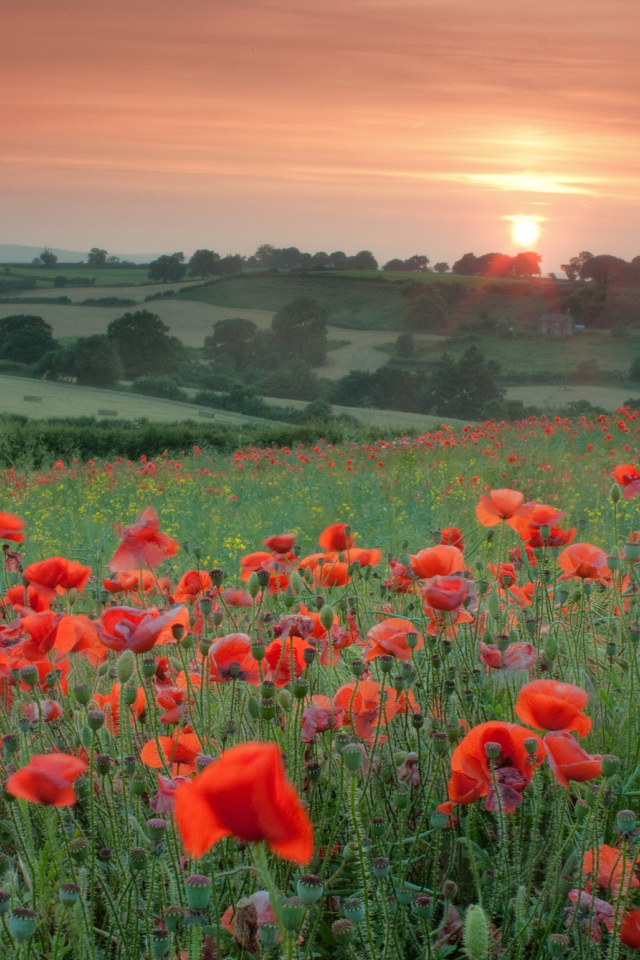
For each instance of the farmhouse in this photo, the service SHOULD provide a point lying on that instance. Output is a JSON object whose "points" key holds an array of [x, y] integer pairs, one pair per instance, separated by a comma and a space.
{"points": [[554, 324]]}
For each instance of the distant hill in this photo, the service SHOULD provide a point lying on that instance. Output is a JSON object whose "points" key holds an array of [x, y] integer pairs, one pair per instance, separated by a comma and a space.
{"points": [[15, 253]]}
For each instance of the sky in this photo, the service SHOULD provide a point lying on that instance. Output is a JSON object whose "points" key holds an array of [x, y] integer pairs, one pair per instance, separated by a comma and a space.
{"points": [[399, 126]]}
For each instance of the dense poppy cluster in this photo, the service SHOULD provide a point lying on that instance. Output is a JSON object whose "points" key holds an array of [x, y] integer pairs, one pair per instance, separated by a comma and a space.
{"points": [[370, 720]]}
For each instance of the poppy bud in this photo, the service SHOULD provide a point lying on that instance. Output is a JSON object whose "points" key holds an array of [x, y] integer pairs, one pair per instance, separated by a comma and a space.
{"points": [[129, 765], [380, 867], [159, 943], [614, 493], [610, 765], [550, 647], [263, 577], [284, 698], [493, 605], [386, 662], [173, 917], [148, 666], [352, 757], [354, 910], [309, 655], [300, 688], [476, 933], [581, 809], [103, 764], [558, 944], [357, 667], [268, 933], [95, 719], [198, 890], [253, 585], [267, 709], [309, 888], [217, 618], [68, 895], [288, 599], [177, 631], [378, 827], [103, 668], [156, 828], [295, 581], [5, 902], [22, 924], [29, 675], [129, 694], [254, 708], [565, 884], [449, 889], [10, 744], [489, 535], [292, 911], [326, 616], [626, 821], [175, 664], [343, 931], [422, 906]]}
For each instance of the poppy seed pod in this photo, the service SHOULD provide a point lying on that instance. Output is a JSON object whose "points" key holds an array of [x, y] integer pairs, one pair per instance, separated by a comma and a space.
{"points": [[69, 894], [352, 757], [137, 859], [10, 744], [267, 689], [378, 827], [203, 761], [206, 606], [404, 895], [626, 821], [292, 910], [380, 867], [439, 820], [198, 890], [400, 797], [253, 585], [29, 675], [343, 931], [129, 765], [138, 785], [357, 667], [309, 655], [313, 771], [95, 720], [558, 944], [173, 917], [354, 910], [204, 646], [159, 943], [439, 741], [340, 741], [78, 849], [258, 650], [610, 765], [417, 721], [156, 828], [22, 924], [267, 709], [300, 688], [386, 662], [492, 750], [422, 906], [5, 902], [217, 618], [263, 577], [129, 694], [268, 933], [309, 888], [217, 576]]}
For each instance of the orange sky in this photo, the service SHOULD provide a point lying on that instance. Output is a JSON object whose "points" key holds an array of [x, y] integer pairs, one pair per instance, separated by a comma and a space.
{"points": [[402, 127]]}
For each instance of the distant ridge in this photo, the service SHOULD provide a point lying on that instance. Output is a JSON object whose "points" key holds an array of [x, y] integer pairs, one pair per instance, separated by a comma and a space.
{"points": [[14, 253]]}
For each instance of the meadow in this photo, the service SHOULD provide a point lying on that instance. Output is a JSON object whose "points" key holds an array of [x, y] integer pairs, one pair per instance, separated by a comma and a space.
{"points": [[334, 700]]}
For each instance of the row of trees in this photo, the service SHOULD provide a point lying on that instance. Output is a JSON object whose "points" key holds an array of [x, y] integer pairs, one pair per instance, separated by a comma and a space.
{"points": [[603, 268], [522, 266]]}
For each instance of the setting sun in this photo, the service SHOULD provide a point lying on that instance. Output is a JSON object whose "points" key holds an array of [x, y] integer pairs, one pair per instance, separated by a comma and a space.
{"points": [[525, 231]]}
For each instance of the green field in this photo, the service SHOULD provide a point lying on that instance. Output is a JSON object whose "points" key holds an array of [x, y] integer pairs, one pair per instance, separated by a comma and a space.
{"points": [[108, 277]]}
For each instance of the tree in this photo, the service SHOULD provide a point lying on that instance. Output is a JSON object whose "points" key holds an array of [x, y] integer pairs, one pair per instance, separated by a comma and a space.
{"points": [[427, 311], [142, 342], [97, 257], [47, 258], [25, 338], [418, 263], [94, 361], [300, 331], [394, 265], [461, 389], [634, 370], [231, 265], [338, 260], [364, 260], [204, 263], [406, 345], [320, 259], [234, 341], [441, 267], [167, 269], [466, 265], [524, 265]]}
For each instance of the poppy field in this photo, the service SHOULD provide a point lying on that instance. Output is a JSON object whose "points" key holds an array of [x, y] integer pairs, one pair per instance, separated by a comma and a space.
{"points": [[368, 701]]}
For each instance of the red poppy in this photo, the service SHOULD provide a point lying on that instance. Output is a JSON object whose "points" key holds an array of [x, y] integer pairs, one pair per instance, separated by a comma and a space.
{"points": [[452, 537], [365, 556], [630, 931], [585, 561], [110, 704], [47, 631], [253, 562], [505, 505], [513, 768], [568, 761], [165, 799], [26, 599], [557, 537], [335, 537], [445, 593], [462, 789], [245, 794], [171, 699], [442, 561], [134, 582], [280, 543], [191, 584], [235, 597], [47, 779], [180, 750], [126, 628], [609, 865], [11, 527], [363, 707], [490, 655], [520, 656], [230, 658], [327, 569], [551, 705], [46, 710], [142, 543], [318, 716], [56, 575], [505, 573], [390, 637], [628, 477], [286, 660]]}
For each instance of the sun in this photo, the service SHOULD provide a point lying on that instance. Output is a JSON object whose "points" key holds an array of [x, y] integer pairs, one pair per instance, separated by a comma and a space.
{"points": [[525, 232]]}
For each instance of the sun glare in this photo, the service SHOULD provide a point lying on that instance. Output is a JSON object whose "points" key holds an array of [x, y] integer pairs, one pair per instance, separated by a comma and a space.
{"points": [[525, 232]]}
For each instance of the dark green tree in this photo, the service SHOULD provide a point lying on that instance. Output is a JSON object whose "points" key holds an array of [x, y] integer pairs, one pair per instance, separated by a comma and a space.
{"points": [[47, 258], [461, 389], [95, 361], [231, 265], [143, 344], [204, 263], [97, 257], [441, 267], [233, 341], [27, 344], [167, 268], [300, 331], [427, 311], [364, 260]]}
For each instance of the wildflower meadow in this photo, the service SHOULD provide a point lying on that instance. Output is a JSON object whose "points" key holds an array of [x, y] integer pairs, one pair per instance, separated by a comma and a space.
{"points": [[362, 700]]}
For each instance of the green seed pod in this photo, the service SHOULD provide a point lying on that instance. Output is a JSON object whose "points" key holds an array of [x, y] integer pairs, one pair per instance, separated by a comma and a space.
{"points": [[129, 765], [253, 585], [22, 924], [352, 757], [292, 909], [156, 828], [422, 906], [268, 933], [476, 933], [300, 688], [29, 675], [137, 859], [380, 867], [326, 616], [354, 910], [95, 720], [125, 666], [148, 667], [404, 895], [400, 797], [159, 943], [82, 693], [284, 697], [267, 709], [313, 771], [258, 650], [68, 894], [129, 694], [173, 917], [175, 664], [493, 605], [614, 493], [254, 708], [550, 647], [103, 764], [138, 785], [343, 931], [626, 821], [378, 827], [198, 890], [309, 888], [79, 850], [10, 744], [558, 944], [439, 820], [295, 581], [610, 765], [5, 902]]}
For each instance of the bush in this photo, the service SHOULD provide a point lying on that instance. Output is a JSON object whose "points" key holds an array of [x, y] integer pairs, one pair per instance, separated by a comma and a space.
{"points": [[91, 361], [426, 312], [160, 385], [25, 338], [108, 302], [406, 345]]}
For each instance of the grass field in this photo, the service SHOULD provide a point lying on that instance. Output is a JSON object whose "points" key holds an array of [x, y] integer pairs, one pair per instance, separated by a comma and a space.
{"points": [[126, 276]]}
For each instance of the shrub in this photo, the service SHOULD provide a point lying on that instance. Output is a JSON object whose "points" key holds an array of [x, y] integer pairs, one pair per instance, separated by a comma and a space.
{"points": [[159, 385]]}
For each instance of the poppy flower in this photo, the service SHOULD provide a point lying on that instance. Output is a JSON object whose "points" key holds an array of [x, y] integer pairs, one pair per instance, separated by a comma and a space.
{"points": [[180, 751], [630, 931], [253, 562], [126, 628], [110, 704], [551, 705], [11, 527], [143, 543], [594, 913], [47, 778], [280, 543], [245, 794], [568, 761], [56, 575], [627, 476], [490, 655], [541, 514], [390, 637], [585, 561], [513, 768], [165, 799], [26, 599], [264, 911], [230, 658], [335, 538], [461, 789], [441, 561], [191, 584], [445, 593], [171, 699], [362, 708], [286, 659], [13, 561], [505, 505], [135, 581], [557, 537], [46, 710], [519, 656], [327, 569], [365, 556], [452, 537], [505, 573], [235, 597], [47, 632], [609, 865], [318, 716]]}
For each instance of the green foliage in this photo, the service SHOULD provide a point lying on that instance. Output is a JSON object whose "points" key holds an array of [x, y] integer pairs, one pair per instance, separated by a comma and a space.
{"points": [[97, 257], [462, 388], [90, 361], [159, 385], [233, 341], [143, 344], [204, 263], [426, 312], [25, 338], [168, 268], [406, 345], [300, 331]]}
